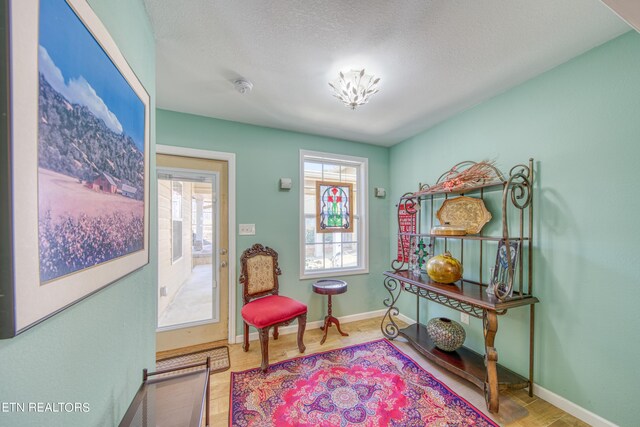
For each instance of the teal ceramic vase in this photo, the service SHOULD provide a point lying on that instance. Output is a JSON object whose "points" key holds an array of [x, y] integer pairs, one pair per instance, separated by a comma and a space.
{"points": [[446, 334]]}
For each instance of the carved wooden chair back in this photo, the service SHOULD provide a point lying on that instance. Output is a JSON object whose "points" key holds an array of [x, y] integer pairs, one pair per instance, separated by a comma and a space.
{"points": [[259, 272]]}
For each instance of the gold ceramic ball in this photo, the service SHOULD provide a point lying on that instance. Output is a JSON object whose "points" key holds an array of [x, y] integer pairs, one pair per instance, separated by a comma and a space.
{"points": [[444, 268]]}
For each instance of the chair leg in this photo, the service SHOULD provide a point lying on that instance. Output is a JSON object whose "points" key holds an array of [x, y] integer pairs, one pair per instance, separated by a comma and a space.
{"points": [[264, 347], [275, 333], [302, 323], [245, 346]]}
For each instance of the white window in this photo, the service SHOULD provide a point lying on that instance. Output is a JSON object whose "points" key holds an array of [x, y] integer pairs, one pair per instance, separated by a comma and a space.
{"points": [[333, 254]]}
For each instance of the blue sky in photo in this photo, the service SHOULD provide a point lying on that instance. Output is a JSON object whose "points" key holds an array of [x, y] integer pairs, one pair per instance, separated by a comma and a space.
{"points": [[70, 48]]}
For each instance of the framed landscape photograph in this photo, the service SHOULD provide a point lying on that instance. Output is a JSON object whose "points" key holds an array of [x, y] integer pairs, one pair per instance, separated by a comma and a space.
{"points": [[76, 157], [334, 207]]}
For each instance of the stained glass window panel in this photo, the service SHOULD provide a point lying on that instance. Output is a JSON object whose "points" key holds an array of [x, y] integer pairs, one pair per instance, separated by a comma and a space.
{"points": [[334, 207]]}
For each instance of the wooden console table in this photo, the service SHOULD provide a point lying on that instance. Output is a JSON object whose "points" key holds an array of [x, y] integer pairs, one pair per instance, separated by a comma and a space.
{"points": [[467, 297], [176, 400]]}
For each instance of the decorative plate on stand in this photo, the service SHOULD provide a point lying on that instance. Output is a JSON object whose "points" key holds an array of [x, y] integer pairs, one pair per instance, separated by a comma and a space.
{"points": [[467, 212]]}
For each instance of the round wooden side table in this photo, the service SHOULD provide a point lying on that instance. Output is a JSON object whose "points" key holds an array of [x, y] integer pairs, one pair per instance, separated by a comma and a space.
{"points": [[330, 287]]}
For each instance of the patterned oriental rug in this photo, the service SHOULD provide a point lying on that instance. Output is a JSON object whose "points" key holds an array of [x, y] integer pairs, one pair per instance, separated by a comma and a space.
{"points": [[366, 385]]}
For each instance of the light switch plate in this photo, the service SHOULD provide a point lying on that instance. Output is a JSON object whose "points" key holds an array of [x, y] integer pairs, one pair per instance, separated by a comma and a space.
{"points": [[247, 229]]}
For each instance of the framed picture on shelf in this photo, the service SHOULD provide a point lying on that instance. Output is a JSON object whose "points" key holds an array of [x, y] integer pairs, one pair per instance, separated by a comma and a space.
{"points": [[502, 277], [334, 207], [77, 168], [418, 255], [406, 224]]}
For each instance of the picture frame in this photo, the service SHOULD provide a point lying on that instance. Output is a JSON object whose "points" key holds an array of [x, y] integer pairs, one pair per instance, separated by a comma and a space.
{"points": [[406, 226], [501, 277], [418, 255], [74, 161], [334, 207]]}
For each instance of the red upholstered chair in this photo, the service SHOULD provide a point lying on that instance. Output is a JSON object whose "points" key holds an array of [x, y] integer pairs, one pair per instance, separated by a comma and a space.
{"points": [[262, 307]]}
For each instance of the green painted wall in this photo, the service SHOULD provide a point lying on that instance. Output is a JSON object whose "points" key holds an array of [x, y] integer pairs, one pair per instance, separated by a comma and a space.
{"points": [[580, 121], [263, 156], [95, 351]]}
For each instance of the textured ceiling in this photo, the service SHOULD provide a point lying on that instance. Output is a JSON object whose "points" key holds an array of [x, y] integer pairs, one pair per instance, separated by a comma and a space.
{"points": [[435, 58]]}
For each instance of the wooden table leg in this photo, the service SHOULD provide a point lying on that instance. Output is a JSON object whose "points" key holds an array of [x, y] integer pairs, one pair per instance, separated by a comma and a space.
{"points": [[491, 393], [325, 328], [337, 323], [328, 321]]}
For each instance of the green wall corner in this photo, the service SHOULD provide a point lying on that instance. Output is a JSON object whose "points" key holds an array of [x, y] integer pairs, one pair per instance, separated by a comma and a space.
{"points": [[580, 123]]}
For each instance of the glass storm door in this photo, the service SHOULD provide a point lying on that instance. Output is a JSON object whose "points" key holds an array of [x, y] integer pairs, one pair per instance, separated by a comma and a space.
{"points": [[192, 249]]}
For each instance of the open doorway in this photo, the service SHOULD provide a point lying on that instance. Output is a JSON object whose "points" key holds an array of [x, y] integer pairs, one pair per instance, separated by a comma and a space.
{"points": [[192, 251], [188, 240]]}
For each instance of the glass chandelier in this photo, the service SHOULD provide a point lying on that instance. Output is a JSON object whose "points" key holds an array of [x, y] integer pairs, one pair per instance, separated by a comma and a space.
{"points": [[354, 87]]}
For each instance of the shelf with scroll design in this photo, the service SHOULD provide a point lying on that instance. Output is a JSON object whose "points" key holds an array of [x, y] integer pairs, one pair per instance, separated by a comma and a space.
{"points": [[461, 237], [512, 288], [489, 179], [464, 292], [491, 186]]}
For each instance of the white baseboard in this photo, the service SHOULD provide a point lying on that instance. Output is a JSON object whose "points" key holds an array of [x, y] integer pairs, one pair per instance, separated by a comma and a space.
{"points": [[571, 408], [292, 329], [553, 398], [405, 319]]}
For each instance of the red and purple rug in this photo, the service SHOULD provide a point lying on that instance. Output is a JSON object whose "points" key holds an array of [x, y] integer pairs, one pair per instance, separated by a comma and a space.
{"points": [[366, 385]]}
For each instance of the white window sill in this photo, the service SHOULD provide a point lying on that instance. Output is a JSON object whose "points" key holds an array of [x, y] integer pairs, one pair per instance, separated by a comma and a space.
{"points": [[334, 273]]}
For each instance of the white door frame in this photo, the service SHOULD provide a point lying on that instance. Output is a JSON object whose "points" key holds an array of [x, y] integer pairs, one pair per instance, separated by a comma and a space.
{"points": [[230, 158]]}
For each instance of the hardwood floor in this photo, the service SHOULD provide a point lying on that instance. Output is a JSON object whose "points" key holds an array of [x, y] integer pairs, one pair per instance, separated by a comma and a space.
{"points": [[517, 409]]}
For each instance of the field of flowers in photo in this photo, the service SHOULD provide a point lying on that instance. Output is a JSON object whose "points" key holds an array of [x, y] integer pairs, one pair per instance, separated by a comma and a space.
{"points": [[71, 243]]}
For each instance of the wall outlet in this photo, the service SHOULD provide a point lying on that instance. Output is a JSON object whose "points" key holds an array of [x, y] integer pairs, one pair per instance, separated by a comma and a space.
{"points": [[464, 318], [247, 229]]}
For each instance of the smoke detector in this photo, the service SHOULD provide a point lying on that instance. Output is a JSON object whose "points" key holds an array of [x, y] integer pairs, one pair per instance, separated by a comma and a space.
{"points": [[243, 86]]}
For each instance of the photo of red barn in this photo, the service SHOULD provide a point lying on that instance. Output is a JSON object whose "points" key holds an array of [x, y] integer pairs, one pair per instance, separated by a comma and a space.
{"points": [[103, 182]]}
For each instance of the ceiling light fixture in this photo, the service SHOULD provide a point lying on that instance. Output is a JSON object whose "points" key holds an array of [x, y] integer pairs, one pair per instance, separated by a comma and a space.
{"points": [[354, 87]]}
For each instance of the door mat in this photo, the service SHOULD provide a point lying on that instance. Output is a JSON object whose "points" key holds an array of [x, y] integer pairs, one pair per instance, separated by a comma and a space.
{"points": [[219, 360]]}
